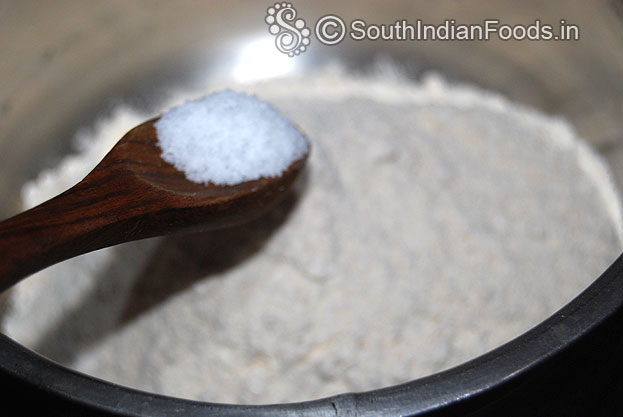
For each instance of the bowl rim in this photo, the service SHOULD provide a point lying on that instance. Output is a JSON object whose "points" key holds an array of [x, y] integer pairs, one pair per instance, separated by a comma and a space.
{"points": [[555, 344]]}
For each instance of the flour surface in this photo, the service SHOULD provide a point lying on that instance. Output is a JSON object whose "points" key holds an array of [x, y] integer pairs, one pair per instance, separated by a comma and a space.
{"points": [[437, 221]]}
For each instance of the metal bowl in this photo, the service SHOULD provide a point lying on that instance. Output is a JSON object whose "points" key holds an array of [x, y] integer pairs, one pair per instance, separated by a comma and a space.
{"points": [[65, 62]]}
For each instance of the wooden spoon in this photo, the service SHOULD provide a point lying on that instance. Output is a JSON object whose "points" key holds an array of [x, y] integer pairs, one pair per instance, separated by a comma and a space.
{"points": [[132, 194]]}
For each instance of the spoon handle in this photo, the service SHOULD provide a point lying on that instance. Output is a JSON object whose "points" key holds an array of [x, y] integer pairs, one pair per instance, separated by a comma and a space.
{"points": [[84, 218]]}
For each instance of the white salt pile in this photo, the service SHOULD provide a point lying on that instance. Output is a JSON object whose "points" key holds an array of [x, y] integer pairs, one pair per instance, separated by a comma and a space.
{"points": [[227, 138], [437, 222]]}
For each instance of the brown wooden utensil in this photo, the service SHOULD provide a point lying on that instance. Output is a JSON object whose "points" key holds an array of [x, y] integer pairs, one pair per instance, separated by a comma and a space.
{"points": [[131, 194]]}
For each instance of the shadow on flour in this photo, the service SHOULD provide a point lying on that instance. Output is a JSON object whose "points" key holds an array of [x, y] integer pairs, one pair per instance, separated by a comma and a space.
{"points": [[146, 273]]}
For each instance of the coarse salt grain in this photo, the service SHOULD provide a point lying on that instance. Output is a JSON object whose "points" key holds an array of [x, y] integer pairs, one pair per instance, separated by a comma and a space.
{"points": [[227, 138]]}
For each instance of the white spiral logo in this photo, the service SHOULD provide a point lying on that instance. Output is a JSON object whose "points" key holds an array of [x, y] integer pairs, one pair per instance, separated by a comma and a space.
{"points": [[292, 36]]}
